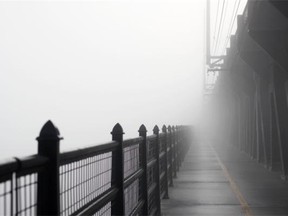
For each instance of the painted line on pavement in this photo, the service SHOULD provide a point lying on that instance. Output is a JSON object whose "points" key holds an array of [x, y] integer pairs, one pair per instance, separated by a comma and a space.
{"points": [[245, 206]]}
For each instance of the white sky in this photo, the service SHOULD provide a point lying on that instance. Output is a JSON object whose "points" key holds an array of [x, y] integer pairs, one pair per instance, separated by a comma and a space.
{"points": [[89, 65]]}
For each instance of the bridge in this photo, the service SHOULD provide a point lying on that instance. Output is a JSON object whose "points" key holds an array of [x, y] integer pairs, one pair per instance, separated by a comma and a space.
{"points": [[236, 165]]}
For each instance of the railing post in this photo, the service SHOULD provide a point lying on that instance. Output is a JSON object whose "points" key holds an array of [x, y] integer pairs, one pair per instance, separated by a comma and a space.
{"points": [[158, 198], [48, 197], [183, 141], [177, 148], [170, 155], [180, 145], [118, 207], [174, 152], [143, 154], [164, 130]]}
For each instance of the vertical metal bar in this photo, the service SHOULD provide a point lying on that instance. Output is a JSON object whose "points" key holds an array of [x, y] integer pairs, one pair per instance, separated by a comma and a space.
{"points": [[70, 190], [84, 180], [67, 193], [60, 192], [177, 148], [143, 148], [158, 191], [81, 180], [170, 153], [24, 196], [4, 197], [17, 196], [87, 180], [73, 186], [118, 171], [48, 182], [77, 174], [64, 194], [166, 181], [29, 194], [36, 192], [12, 195], [90, 195], [174, 153], [96, 165], [94, 173]]}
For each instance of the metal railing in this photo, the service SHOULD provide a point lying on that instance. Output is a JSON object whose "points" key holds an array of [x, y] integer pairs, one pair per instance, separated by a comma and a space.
{"points": [[122, 177]]}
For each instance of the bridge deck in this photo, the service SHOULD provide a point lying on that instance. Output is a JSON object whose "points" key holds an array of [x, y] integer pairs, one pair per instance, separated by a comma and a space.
{"points": [[220, 181]]}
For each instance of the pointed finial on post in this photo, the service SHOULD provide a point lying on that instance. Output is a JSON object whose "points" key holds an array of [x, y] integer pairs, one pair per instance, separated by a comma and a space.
{"points": [[49, 132], [143, 149], [156, 130], [142, 131], [118, 170], [48, 182], [117, 133], [169, 129], [164, 129]]}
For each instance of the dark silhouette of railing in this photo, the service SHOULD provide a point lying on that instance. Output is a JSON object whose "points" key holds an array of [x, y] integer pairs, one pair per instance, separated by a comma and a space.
{"points": [[122, 177]]}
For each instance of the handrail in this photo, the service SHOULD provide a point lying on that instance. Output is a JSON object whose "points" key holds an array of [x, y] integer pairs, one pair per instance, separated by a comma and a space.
{"points": [[78, 154], [94, 179], [23, 164], [132, 141]]}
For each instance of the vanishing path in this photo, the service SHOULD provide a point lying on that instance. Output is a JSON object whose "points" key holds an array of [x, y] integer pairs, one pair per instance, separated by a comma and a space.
{"points": [[222, 181]]}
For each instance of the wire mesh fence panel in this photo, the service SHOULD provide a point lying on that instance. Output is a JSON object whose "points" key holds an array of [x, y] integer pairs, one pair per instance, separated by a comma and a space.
{"points": [[162, 142], [152, 173], [169, 156], [151, 149], [131, 160], [162, 164], [82, 181], [170, 174], [26, 194], [151, 176], [163, 174], [18, 185], [131, 194], [6, 197], [132, 164], [169, 165], [152, 203], [18, 195]]}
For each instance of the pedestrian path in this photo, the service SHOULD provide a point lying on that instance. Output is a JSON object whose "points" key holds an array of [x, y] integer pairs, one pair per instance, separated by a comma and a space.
{"points": [[222, 181]]}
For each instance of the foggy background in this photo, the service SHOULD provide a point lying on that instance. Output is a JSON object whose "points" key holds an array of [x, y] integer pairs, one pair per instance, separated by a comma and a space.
{"points": [[88, 65]]}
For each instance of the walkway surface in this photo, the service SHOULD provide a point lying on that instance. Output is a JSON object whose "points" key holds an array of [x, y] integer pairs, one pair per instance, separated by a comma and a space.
{"points": [[223, 181]]}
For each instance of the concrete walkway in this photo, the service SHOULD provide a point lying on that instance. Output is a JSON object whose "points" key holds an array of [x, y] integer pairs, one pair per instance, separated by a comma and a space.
{"points": [[221, 181]]}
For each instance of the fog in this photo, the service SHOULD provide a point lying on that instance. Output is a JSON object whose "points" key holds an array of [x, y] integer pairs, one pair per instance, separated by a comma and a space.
{"points": [[88, 65]]}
